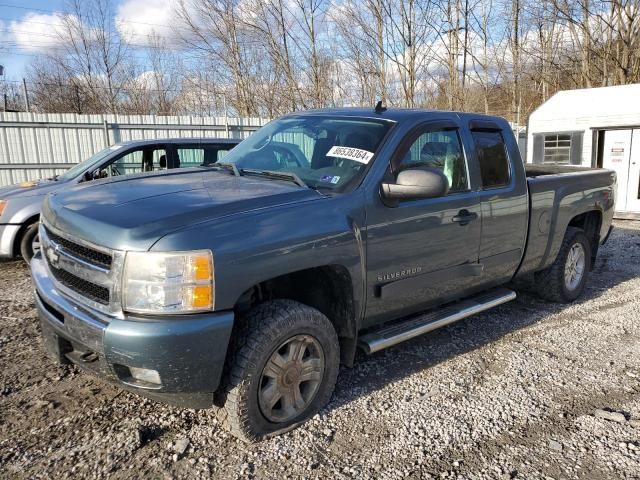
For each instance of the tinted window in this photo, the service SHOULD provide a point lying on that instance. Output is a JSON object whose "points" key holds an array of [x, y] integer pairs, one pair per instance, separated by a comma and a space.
{"points": [[442, 150], [492, 156]]}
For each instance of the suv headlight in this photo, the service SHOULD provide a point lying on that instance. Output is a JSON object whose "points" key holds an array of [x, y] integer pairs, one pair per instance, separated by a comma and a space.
{"points": [[168, 282]]}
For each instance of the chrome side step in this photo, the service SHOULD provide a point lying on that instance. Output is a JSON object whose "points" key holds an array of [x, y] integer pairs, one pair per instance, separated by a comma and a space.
{"points": [[416, 326]]}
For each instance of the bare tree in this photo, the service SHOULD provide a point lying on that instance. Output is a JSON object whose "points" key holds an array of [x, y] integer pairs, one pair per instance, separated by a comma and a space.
{"points": [[88, 69], [361, 27], [154, 86], [215, 33], [269, 57]]}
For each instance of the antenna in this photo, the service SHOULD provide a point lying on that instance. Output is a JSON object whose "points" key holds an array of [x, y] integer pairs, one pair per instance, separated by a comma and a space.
{"points": [[379, 108]]}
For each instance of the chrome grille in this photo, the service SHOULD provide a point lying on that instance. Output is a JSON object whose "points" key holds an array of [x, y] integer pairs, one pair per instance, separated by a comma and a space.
{"points": [[83, 287], [85, 253], [87, 273]]}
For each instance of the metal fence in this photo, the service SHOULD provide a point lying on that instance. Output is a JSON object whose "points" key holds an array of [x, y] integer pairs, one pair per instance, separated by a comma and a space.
{"points": [[40, 145]]}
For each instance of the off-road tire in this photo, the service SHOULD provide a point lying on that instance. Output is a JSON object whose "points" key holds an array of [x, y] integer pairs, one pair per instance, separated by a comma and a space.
{"points": [[258, 335], [550, 282], [26, 242]]}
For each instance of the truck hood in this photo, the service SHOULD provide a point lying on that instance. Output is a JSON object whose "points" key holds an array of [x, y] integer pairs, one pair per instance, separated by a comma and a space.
{"points": [[132, 214]]}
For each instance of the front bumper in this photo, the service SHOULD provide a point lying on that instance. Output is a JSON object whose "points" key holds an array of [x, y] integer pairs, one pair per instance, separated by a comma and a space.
{"points": [[8, 234], [188, 352]]}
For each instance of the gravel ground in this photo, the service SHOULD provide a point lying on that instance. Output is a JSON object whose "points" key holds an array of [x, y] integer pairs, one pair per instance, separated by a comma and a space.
{"points": [[527, 390]]}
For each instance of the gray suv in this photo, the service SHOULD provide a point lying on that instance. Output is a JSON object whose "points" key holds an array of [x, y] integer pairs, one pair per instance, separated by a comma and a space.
{"points": [[20, 204]]}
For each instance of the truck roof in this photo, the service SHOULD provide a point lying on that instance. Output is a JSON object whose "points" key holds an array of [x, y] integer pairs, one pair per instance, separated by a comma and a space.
{"points": [[391, 113], [181, 141]]}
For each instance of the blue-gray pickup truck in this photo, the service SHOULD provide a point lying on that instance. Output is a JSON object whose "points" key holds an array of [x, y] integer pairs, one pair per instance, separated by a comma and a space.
{"points": [[243, 285], [20, 204]]}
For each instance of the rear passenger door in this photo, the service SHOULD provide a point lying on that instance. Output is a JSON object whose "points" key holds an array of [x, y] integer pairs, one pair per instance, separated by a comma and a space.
{"points": [[503, 201]]}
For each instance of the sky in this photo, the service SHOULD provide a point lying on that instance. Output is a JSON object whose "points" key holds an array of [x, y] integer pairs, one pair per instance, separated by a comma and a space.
{"points": [[27, 27], [15, 50]]}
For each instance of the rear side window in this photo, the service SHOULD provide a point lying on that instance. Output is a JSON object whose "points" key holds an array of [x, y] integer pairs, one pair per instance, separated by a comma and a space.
{"points": [[492, 156]]}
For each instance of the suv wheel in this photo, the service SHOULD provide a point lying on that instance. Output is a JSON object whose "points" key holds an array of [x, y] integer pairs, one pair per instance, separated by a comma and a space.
{"points": [[565, 279], [281, 369], [30, 242]]}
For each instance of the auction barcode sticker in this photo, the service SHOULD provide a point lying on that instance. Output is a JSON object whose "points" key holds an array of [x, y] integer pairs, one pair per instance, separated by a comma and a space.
{"points": [[355, 154]]}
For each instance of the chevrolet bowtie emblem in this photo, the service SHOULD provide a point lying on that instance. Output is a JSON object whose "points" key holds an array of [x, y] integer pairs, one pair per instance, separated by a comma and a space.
{"points": [[53, 256]]}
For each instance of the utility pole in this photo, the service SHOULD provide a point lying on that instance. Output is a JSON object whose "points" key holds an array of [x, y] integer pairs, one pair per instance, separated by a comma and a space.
{"points": [[26, 95], [4, 95], [226, 117], [76, 90]]}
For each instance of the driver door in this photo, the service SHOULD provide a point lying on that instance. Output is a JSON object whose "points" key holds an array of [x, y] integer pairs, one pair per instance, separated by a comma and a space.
{"points": [[423, 252]]}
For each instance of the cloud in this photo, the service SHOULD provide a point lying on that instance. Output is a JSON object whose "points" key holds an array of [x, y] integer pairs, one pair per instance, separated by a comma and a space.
{"points": [[36, 32], [139, 21]]}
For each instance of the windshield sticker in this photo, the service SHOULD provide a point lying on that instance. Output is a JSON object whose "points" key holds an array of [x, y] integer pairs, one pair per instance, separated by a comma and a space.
{"points": [[355, 154], [333, 179]]}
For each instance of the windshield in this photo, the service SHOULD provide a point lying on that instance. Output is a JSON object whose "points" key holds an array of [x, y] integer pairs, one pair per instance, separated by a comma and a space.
{"points": [[90, 163], [323, 152]]}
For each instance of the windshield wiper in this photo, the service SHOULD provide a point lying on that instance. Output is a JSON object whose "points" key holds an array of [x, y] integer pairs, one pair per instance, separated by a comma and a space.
{"points": [[276, 175], [227, 166]]}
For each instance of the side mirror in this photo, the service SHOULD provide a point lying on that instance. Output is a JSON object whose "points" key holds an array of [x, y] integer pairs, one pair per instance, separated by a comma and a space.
{"points": [[414, 184]]}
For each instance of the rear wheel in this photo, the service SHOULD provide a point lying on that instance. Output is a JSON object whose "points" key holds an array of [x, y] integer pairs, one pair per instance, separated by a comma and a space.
{"points": [[30, 242], [565, 279], [282, 369]]}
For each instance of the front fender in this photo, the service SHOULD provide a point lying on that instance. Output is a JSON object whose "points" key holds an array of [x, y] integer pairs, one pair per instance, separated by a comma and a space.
{"points": [[251, 248], [22, 209]]}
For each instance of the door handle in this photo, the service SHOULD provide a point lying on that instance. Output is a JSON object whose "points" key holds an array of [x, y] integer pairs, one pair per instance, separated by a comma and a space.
{"points": [[464, 217]]}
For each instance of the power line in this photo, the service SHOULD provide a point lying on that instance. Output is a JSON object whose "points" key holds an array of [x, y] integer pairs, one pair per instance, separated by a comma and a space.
{"points": [[174, 27], [62, 14], [122, 88], [61, 37]]}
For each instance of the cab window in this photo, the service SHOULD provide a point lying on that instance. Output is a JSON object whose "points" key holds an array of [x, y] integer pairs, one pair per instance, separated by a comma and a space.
{"points": [[492, 157], [442, 150]]}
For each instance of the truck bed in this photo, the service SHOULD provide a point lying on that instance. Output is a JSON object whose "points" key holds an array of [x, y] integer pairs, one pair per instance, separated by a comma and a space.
{"points": [[556, 194], [537, 170]]}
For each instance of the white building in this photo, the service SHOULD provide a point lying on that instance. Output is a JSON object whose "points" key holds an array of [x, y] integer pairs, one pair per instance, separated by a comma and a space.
{"points": [[596, 127]]}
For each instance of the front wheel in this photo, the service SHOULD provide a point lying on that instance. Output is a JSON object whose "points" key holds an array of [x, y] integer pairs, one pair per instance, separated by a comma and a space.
{"points": [[565, 279], [30, 242], [282, 369]]}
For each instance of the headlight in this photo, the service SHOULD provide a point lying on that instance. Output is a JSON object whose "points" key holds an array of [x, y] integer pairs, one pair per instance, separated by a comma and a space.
{"points": [[3, 205], [168, 282]]}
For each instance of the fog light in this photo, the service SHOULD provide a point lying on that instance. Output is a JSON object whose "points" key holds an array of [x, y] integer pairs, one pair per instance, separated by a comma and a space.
{"points": [[145, 375]]}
